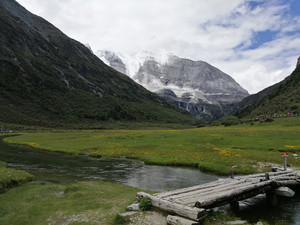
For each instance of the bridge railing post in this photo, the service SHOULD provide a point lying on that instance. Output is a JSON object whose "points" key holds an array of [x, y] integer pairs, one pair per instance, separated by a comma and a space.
{"points": [[284, 155], [284, 162], [267, 176], [231, 172]]}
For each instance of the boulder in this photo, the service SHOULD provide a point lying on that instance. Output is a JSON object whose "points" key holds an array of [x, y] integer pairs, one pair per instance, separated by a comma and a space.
{"points": [[133, 207], [236, 222], [127, 214]]}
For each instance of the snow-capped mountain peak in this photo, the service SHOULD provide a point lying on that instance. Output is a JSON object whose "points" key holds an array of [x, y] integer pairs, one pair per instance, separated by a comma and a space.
{"points": [[161, 56], [191, 82]]}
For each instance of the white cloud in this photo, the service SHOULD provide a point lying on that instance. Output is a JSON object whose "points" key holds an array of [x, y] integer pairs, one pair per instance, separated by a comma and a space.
{"points": [[215, 31]]}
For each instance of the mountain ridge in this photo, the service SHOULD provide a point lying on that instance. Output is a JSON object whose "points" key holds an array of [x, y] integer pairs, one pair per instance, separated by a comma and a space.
{"points": [[280, 98], [47, 78]]}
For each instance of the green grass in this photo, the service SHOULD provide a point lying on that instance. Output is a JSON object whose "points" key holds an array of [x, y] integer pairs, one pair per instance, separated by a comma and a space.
{"points": [[79, 203], [215, 149], [218, 218], [11, 177]]}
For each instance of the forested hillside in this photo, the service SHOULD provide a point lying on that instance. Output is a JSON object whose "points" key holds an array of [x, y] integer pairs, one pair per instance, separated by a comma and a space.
{"points": [[281, 98]]}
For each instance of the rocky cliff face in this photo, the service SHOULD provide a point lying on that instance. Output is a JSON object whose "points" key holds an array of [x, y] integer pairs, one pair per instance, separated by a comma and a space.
{"points": [[112, 60], [196, 86]]}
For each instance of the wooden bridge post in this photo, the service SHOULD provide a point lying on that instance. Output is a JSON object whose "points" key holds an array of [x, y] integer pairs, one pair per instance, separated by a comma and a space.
{"points": [[231, 172], [284, 155], [284, 162], [235, 207], [267, 176], [271, 198]]}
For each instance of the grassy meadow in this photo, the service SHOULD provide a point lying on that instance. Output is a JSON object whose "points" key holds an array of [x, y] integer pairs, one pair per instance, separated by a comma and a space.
{"points": [[92, 202], [250, 147]]}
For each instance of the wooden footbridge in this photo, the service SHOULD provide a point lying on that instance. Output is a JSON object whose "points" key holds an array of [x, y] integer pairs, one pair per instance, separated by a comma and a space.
{"points": [[190, 204]]}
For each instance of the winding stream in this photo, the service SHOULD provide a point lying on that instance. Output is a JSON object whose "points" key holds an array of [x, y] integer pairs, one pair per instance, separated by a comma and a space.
{"points": [[64, 169], [60, 168]]}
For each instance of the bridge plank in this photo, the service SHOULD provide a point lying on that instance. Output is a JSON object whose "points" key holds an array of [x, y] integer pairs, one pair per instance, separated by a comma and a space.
{"points": [[201, 191], [212, 191], [212, 194], [192, 213], [184, 190], [232, 194]]}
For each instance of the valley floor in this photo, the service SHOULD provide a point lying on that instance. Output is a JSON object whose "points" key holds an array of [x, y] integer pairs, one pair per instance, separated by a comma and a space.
{"points": [[251, 147]]}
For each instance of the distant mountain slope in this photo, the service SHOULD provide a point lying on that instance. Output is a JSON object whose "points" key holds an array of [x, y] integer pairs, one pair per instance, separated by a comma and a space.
{"points": [[47, 78], [282, 97], [196, 86]]}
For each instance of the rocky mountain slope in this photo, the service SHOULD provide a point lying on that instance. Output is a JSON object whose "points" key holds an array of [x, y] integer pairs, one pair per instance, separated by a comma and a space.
{"points": [[280, 98], [196, 86], [49, 79]]}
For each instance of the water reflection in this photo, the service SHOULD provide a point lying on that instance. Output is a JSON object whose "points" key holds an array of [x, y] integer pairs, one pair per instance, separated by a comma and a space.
{"points": [[167, 178], [287, 211]]}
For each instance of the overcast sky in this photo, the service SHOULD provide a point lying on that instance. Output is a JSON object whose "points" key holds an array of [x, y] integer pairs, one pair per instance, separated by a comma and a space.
{"points": [[255, 42]]}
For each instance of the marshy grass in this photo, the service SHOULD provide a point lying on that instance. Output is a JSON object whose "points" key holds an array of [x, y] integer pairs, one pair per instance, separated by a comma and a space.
{"points": [[252, 148], [11, 177]]}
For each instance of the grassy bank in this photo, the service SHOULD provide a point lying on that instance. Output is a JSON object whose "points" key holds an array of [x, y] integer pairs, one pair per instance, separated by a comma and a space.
{"points": [[79, 203], [92, 202], [216, 149], [111, 125], [11, 177]]}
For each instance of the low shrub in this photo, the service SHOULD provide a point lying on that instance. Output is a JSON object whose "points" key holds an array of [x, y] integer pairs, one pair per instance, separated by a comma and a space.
{"points": [[120, 220], [10, 177], [215, 123], [145, 204], [268, 120], [230, 121]]}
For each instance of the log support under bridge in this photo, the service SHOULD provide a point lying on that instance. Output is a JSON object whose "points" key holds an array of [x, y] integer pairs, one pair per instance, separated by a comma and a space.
{"points": [[272, 198], [235, 206]]}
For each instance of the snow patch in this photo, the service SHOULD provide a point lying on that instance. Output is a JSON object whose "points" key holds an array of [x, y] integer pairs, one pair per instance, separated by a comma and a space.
{"points": [[135, 61], [102, 54], [89, 47]]}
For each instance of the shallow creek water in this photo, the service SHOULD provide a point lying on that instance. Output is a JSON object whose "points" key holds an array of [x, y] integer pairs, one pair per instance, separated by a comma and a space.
{"points": [[64, 169]]}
